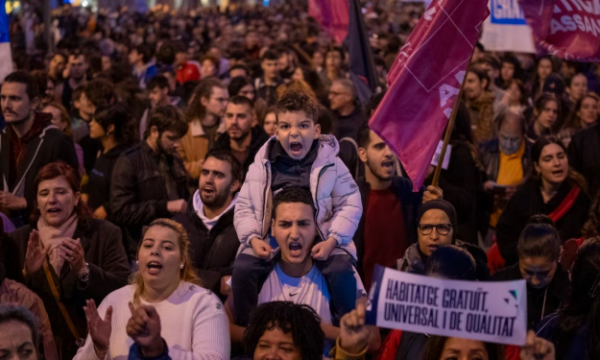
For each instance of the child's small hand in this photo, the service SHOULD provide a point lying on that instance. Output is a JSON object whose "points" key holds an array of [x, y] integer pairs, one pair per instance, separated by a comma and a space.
{"points": [[261, 248], [322, 250]]}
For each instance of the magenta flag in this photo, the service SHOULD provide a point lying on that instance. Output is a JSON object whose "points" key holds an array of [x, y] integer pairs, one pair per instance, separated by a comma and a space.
{"points": [[569, 29], [333, 15], [425, 81]]}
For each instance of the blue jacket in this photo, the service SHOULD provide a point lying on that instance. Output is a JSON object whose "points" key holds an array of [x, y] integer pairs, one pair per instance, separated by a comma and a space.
{"points": [[135, 354]]}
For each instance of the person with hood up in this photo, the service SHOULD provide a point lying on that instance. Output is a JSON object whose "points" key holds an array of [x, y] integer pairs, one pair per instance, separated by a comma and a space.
{"points": [[436, 228]]}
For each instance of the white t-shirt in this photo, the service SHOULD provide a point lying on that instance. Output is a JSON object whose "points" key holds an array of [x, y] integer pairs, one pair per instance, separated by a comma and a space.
{"points": [[310, 289]]}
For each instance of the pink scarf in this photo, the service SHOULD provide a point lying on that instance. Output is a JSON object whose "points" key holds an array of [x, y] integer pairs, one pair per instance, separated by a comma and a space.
{"points": [[50, 236]]}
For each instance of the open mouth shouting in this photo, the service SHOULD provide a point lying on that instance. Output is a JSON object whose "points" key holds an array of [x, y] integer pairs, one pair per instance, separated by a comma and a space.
{"points": [[296, 148], [295, 249], [154, 267], [208, 190], [387, 164]]}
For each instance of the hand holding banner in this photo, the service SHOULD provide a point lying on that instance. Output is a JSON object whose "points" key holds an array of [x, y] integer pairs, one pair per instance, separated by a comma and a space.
{"points": [[485, 311]]}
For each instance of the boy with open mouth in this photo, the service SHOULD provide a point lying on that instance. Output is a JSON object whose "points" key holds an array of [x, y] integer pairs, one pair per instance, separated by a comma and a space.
{"points": [[297, 156]]}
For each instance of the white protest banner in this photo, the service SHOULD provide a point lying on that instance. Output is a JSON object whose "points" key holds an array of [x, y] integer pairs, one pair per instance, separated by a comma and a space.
{"points": [[506, 29], [438, 153], [486, 311]]}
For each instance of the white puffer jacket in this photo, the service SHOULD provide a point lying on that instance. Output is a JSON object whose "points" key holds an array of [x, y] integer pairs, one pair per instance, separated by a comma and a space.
{"points": [[335, 195]]}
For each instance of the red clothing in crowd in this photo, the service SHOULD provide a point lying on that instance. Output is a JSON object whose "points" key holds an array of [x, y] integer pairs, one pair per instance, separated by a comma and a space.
{"points": [[385, 242]]}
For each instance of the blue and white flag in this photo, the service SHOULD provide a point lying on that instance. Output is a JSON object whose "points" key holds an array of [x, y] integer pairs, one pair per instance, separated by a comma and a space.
{"points": [[6, 63], [485, 311]]}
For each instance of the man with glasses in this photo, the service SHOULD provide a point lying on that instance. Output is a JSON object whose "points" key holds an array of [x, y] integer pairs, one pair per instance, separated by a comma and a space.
{"points": [[436, 228], [204, 116], [343, 103]]}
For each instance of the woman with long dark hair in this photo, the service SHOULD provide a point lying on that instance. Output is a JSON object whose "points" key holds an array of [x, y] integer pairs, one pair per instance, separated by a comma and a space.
{"points": [[584, 115], [69, 257], [575, 328], [545, 115], [554, 189], [112, 125]]}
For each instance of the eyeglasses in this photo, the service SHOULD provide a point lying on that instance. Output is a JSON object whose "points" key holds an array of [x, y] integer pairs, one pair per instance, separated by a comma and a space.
{"points": [[442, 229]]}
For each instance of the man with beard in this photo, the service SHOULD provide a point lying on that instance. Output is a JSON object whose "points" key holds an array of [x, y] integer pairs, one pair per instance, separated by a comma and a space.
{"points": [[209, 221], [149, 180], [78, 66], [243, 137], [27, 144], [390, 206]]}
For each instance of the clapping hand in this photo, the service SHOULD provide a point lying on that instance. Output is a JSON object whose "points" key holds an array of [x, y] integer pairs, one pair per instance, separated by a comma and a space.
{"points": [[99, 329], [144, 328], [35, 256]]}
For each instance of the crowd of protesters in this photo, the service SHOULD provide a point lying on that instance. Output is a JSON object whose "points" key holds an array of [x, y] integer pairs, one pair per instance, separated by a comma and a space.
{"points": [[205, 185]]}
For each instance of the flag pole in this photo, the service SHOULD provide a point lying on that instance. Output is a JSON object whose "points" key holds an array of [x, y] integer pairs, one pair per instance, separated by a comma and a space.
{"points": [[449, 127]]}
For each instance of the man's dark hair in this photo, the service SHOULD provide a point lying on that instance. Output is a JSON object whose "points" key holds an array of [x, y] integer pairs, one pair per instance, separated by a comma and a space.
{"points": [[237, 83], [301, 320], [539, 239], [167, 118], [237, 172], [292, 195], [481, 74], [77, 53], [24, 77], [204, 90], [145, 51], [240, 67], [335, 48], [119, 116], [22, 315], [364, 135], [158, 81], [213, 60], [491, 61], [294, 101], [242, 100], [100, 92], [270, 54]]}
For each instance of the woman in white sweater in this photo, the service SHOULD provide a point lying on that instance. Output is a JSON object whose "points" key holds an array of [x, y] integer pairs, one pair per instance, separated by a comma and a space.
{"points": [[194, 325]]}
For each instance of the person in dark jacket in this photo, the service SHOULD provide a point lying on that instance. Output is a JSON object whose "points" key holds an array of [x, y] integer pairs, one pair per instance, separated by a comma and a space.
{"points": [[344, 104], [84, 258], [574, 328], [437, 220], [112, 125], [584, 156], [27, 144], [554, 190], [506, 162], [462, 182], [390, 207], [209, 221], [243, 137], [547, 281], [149, 181]]}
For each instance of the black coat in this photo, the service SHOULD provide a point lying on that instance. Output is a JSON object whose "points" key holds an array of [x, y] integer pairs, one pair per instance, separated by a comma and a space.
{"points": [[213, 252], [138, 191], [109, 270], [410, 203], [462, 182], [584, 156], [557, 292], [49, 146], [347, 126], [98, 185], [258, 138], [528, 201]]}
